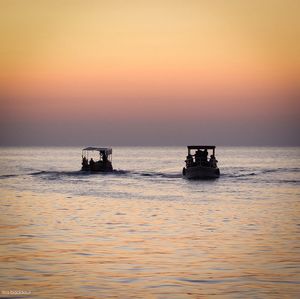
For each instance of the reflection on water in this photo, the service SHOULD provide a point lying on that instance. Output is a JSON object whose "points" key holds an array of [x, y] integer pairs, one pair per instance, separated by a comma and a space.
{"points": [[144, 232], [85, 246]]}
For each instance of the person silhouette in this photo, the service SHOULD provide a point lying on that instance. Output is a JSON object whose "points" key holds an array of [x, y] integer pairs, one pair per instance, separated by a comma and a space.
{"points": [[213, 161], [84, 161], [205, 154]]}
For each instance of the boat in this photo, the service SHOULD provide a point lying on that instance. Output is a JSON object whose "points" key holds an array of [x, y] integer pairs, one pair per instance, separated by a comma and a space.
{"points": [[97, 159], [197, 164]]}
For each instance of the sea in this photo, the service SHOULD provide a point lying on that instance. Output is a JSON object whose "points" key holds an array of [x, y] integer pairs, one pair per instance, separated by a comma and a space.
{"points": [[144, 231]]}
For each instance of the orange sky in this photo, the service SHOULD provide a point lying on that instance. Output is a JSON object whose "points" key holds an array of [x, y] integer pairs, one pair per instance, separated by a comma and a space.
{"points": [[166, 65]]}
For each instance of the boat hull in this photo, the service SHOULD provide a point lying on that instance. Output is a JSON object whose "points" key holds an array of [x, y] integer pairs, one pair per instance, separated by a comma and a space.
{"points": [[98, 167], [200, 173]]}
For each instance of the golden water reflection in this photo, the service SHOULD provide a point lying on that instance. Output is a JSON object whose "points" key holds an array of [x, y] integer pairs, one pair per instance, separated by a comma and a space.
{"points": [[89, 247]]}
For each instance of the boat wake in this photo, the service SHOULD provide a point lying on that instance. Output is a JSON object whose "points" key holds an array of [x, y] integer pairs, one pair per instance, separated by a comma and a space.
{"points": [[238, 173], [7, 176], [275, 175], [117, 172], [157, 174]]}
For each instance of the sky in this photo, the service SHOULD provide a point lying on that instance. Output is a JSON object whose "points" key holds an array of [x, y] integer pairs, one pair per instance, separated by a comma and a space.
{"points": [[159, 72]]}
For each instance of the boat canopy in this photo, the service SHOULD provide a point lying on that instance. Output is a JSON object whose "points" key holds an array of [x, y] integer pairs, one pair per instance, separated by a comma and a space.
{"points": [[196, 147], [107, 150], [201, 147]]}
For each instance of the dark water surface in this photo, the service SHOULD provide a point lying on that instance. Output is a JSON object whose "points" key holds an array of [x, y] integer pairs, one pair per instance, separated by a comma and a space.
{"points": [[143, 231]]}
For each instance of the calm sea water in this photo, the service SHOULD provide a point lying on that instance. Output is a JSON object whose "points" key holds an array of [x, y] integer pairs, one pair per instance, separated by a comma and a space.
{"points": [[144, 231]]}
